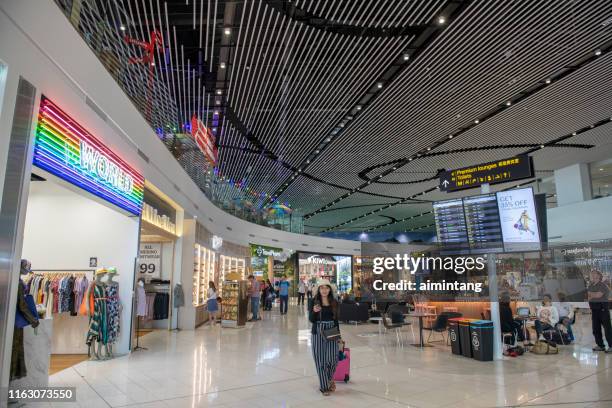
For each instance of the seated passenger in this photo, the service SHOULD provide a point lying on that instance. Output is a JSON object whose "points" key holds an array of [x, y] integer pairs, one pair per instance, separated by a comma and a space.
{"points": [[508, 323], [547, 316], [566, 315]]}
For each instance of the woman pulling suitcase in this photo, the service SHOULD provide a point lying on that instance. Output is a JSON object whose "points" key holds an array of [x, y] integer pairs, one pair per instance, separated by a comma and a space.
{"points": [[325, 335]]}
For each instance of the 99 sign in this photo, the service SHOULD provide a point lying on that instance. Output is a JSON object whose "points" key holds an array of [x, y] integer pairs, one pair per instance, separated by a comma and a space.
{"points": [[147, 268]]}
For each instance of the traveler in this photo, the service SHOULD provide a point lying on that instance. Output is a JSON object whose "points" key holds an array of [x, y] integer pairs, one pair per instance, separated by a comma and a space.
{"points": [[301, 291], [548, 316], [346, 299], [324, 315], [254, 293], [211, 304], [283, 293], [308, 290], [268, 295], [598, 294], [507, 321], [566, 315]]}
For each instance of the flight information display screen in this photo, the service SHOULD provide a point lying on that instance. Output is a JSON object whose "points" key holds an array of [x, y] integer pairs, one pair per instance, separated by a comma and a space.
{"points": [[484, 232], [450, 223]]}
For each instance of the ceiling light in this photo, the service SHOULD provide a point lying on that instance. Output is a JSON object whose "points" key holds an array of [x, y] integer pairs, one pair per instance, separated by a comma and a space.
{"points": [[217, 102], [476, 121], [601, 169], [219, 92], [379, 85], [153, 64], [307, 161], [541, 146], [508, 103], [122, 27], [222, 65], [548, 81], [441, 20], [216, 112], [328, 140], [358, 107], [597, 52], [227, 31], [450, 136], [592, 126], [574, 133], [429, 148], [406, 57], [395, 168]]}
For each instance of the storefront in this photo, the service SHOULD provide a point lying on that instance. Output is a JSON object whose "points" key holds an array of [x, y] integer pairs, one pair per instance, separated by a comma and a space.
{"points": [[159, 263], [81, 234], [207, 258], [338, 269]]}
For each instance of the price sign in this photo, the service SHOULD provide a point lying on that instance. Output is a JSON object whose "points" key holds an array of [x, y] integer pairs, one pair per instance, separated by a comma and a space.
{"points": [[149, 261]]}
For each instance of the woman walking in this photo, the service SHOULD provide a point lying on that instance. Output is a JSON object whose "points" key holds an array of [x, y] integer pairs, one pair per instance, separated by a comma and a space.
{"points": [[211, 303], [324, 315]]}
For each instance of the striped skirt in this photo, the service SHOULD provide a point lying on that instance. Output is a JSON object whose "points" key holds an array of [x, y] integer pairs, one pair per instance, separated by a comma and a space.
{"points": [[325, 354]]}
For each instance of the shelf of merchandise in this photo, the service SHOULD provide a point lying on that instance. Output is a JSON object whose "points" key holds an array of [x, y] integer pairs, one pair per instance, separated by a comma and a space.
{"points": [[203, 271], [229, 309], [232, 264]]}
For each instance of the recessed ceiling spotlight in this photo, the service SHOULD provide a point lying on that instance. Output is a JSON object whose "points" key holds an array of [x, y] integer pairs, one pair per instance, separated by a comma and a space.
{"points": [[597, 52], [601, 169], [450, 136], [441, 20], [592, 126], [541, 146], [548, 81], [476, 121], [122, 27], [227, 31], [316, 152], [307, 161], [406, 57], [222, 65], [217, 102], [328, 140], [358, 107], [216, 112], [429, 148], [153, 64], [379, 85], [574, 133], [410, 159], [395, 168], [508, 103], [219, 92]]}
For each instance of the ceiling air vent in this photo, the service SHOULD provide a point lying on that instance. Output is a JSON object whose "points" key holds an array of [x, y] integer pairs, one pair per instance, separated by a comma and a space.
{"points": [[96, 108], [229, 228], [144, 156]]}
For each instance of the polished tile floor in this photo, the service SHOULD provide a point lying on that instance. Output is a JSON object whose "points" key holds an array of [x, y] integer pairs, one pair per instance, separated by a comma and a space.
{"points": [[268, 364]]}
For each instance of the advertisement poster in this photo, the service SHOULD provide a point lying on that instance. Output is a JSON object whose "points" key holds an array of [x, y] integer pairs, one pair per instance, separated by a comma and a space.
{"points": [[518, 218], [149, 261]]}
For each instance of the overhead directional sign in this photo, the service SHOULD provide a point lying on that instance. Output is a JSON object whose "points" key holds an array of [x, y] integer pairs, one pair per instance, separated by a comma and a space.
{"points": [[500, 171]]}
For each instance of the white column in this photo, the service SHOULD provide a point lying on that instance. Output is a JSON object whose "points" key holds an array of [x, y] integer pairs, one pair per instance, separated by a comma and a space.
{"points": [[573, 184], [493, 296]]}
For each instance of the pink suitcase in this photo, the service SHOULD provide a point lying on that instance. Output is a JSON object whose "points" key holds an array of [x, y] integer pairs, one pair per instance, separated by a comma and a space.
{"points": [[343, 369]]}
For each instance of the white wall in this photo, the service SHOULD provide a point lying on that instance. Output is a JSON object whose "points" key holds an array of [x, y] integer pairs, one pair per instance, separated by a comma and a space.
{"points": [[584, 221], [58, 62], [63, 230]]}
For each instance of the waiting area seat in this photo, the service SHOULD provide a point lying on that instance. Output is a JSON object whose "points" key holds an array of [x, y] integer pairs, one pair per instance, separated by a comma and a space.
{"points": [[353, 312]]}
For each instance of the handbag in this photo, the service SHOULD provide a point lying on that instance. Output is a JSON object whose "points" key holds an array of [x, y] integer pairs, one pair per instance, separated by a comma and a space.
{"points": [[331, 334], [20, 320]]}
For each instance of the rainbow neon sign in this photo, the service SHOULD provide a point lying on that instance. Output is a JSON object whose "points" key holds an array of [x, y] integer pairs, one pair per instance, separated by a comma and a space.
{"points": [[63, 148]]}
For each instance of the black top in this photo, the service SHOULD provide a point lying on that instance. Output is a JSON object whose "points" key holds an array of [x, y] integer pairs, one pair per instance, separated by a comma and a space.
{"points": [[505, 317], [602, 301], [325, 315]]}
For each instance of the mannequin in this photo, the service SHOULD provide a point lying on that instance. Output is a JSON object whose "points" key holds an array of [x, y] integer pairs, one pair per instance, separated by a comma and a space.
{"points": [[113, 309], [97, 318]]}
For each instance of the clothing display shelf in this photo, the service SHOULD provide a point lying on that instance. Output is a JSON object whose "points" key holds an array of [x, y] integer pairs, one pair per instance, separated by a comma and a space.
{"points": [[203, 272]]}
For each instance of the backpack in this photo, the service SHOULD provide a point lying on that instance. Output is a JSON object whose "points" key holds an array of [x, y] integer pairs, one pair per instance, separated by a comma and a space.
{"points": [[545, 347]]}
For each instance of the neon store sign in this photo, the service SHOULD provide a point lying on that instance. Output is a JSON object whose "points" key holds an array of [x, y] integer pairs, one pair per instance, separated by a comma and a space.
{"points": [[63, 148]]}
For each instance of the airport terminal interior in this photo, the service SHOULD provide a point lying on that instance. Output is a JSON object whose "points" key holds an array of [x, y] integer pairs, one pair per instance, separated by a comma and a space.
{"points": [[297, 203]]}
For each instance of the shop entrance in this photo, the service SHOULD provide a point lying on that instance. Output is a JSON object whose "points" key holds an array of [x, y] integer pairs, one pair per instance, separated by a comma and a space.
{"points": [[159, 290], [73, 241]]}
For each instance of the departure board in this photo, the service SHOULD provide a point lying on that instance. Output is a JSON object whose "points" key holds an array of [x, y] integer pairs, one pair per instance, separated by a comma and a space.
{"points": [[484, 232], [450, 223]]}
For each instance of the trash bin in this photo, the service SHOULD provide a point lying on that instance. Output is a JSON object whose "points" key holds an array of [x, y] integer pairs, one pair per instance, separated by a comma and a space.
{"points": [[454, 336], [481, 335], [464, 337]]}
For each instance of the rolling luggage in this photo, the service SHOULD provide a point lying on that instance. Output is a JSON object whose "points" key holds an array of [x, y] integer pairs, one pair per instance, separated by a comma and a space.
{"points": [[343, 369]]}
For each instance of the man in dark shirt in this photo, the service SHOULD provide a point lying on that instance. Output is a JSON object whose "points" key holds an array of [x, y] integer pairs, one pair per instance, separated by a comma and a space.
{"points": [[598, 293]]}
